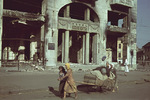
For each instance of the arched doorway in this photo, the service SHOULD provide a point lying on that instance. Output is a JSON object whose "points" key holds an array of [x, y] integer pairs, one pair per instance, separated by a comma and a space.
{"points": [[77, 37]]}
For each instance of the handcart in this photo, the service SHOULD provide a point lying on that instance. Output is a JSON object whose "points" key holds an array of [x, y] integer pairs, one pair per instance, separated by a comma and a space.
{"points": [[99, 80]]}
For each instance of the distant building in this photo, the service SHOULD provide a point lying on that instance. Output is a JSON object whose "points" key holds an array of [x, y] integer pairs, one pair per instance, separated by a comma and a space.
{"points": [[143, 55], [146, 51], [80, 32]]}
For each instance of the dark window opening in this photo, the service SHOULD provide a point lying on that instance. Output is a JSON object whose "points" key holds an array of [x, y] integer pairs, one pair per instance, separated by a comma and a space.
{"points": [[16, 39], [119, 55], [112, 43], [32, 6], [77, 11], [61, 12], [59, 54], [75, 49], [93, 16], [117, 19], [120, 8]]}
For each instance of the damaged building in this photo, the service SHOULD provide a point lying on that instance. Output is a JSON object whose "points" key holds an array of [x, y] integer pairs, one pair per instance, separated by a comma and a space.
{"points": [[80, 32]]}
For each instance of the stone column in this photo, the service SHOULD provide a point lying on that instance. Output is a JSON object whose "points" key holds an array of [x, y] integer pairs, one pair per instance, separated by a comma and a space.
{"points": [[1, 27], [83, 50], [66, 59], [95, 48], [87, 37], [125, 44], [87, 40], [128, 39], [132, 36], [51, 32], [63, 47], [33, 49], [66, 42]]}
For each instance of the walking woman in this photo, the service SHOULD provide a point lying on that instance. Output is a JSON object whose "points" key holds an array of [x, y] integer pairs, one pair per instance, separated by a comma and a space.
{"points": [[70, 86], [62, 73], [126, 67]]}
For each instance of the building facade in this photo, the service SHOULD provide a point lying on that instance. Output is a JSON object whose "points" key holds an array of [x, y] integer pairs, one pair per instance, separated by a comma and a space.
{"points": [[146, 51], [143, 55], [74, 31]]}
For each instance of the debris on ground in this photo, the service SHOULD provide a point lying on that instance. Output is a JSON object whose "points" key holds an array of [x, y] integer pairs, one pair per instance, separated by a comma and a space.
{"points": [[147, 80]]}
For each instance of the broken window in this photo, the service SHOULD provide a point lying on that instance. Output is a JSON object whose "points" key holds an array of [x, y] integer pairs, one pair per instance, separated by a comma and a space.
{"points": [[32, 6], [78, 40], [21, 33], [116, 18]]}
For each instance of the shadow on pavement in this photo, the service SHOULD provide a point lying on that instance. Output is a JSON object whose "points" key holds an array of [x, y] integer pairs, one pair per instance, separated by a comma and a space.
{"points": [[89, 88], [55, 92]]}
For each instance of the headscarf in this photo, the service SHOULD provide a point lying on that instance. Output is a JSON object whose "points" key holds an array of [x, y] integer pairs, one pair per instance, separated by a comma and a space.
{"points": [[67, 66]]}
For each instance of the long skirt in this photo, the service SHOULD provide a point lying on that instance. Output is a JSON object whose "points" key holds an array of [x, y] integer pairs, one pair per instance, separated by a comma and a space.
{"points": [[126, 68], [61, 87], [70, 87]]}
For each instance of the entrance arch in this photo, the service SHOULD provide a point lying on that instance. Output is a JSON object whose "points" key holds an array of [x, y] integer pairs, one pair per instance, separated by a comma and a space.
{"points": [[77, 37]]}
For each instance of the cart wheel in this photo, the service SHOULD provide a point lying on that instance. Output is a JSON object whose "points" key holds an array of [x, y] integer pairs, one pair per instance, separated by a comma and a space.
{"points": [[109, 84]]}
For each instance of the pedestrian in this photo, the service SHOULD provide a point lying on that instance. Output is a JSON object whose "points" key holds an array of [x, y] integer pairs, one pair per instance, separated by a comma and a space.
{"points": [[70, 86], [126, 67], [62, 73], [112, 69], [108, 68]]}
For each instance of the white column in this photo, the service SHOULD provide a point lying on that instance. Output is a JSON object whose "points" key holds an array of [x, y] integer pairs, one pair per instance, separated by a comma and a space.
{"points": [[87, 37], [95, 49], [87, 40], [66, 45], [87, 14], [67, 11], [63, 48], [51, 32], [83, 50], [1, 28]]}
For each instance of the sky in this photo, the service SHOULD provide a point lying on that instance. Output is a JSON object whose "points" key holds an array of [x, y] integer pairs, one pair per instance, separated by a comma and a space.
{"points": [[143, 22]]}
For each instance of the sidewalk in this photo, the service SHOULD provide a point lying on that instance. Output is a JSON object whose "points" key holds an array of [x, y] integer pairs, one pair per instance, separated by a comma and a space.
{"points": [[17, 82]]}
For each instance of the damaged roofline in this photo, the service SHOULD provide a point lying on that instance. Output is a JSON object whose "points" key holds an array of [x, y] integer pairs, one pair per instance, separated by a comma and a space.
{"points": [[23, 15]]}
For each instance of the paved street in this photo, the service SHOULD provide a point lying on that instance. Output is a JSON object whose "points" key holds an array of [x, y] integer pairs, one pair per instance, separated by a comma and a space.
{"points": [[34, 85], [126, 92]]}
